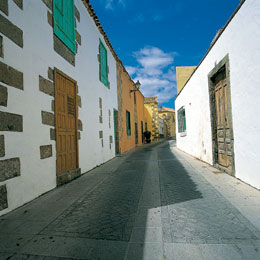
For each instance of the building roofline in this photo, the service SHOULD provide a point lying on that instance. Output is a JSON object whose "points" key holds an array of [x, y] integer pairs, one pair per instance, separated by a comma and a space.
{"points": [[92, 13], [215, 39]]}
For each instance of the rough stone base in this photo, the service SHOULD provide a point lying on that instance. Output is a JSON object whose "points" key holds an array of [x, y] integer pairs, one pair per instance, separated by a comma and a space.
{"points": [[68, 176], [3, 197]]}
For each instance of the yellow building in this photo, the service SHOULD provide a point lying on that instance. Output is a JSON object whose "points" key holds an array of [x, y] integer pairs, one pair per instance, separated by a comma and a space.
{"points": [[151, 115], [130, 118], [168, 115], [182, 76]]}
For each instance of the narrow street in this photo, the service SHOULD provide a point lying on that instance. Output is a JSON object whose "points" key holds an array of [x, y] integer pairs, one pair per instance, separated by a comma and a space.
{"points": [[153, 203]]}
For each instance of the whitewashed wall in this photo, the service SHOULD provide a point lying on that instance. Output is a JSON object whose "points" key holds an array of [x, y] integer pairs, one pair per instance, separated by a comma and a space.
{"points": [[241, 40], [39, 176]]}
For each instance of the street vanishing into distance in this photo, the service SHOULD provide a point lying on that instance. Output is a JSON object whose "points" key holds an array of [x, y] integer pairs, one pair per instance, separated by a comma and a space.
{"points": [[154, 202]]}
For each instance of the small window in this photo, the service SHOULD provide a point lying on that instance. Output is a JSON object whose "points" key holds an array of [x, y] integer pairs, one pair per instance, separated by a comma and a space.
{"points": [[134, 98], [103, 64], [64, 22], [128, 123], [181, 120]]}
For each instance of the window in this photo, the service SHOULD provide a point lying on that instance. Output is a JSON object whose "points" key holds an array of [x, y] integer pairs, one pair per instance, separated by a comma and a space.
{"points": [[134, 98], [181, 120], [103, 64], [128, 123], [64, 23], [136, 133]]}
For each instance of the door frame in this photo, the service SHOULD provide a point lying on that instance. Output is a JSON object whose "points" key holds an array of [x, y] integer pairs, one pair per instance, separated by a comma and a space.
{"points": [[223, 63], [57, 71]]}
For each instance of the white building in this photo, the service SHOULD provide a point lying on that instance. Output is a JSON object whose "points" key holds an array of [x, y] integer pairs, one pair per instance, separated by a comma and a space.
{"points": [[217, 108], [58, 95]]}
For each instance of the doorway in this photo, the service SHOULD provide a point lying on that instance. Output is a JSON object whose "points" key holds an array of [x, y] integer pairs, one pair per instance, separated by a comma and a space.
{"points": [[221, 117], [66, 124]]}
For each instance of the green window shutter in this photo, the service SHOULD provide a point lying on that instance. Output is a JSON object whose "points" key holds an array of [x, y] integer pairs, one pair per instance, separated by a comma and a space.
{"points": [[103, 64], [184, 121], [181, 120], [64, 22], [128, 123]]}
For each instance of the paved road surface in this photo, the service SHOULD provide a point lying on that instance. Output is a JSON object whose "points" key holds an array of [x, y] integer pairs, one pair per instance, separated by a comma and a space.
{"points": [[154, 203]]}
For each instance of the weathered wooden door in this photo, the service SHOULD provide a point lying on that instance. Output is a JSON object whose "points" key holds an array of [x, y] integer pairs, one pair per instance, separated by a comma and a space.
{"points": [[66, 123], [223, 126]]}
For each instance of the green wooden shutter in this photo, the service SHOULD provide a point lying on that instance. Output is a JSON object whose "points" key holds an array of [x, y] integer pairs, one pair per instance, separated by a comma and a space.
{"points": [[103, 64], [184, 121], [128, 123], [64, 22]]}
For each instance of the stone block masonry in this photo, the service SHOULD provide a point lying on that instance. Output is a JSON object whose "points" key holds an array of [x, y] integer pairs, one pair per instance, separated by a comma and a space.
{"points": [[45, 151], [48, 3], [3, 96], [3, 197], [2, 146], [46, 86], [1, 47], [77, 14], [11, 31], [19, 3], [4, 6], [11, 76], [9, 169], [48, 118], [11, 122], [80, 126], [63, 50]]}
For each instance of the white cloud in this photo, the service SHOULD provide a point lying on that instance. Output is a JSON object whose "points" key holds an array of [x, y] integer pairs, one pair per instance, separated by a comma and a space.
{"points": [[157, 17], [131, 70], [156, 73], [138, 18], [111, 4]]}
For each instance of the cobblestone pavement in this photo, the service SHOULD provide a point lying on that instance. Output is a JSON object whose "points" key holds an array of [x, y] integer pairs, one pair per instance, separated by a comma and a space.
{"points": [[154, 203]]}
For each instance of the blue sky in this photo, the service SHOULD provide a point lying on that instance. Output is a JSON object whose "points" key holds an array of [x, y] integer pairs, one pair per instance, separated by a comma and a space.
{"points": [[152, 37]]}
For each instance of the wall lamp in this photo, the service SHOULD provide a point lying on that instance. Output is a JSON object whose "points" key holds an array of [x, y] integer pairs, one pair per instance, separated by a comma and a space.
{"points": [[137, 86]]}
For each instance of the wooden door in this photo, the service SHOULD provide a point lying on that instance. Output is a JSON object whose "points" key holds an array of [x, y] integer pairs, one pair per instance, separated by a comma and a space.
{"points": [[223, 128], [66, 123]]}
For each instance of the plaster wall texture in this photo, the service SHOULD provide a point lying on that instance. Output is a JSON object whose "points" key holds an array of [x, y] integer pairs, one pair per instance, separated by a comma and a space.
{"points": [[182, 75], [149, 117], [126, 101], [39, 176], [241, 41], [170, 119], [140, 115]]}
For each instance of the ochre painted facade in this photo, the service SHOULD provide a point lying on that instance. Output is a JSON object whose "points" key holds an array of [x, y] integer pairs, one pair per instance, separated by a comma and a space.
{"points": [[133, 102], [168, 115], [151, 113], [182, 76]]}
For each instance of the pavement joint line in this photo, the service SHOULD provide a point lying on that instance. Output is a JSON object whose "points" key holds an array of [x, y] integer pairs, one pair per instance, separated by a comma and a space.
{"points": [[232, 207]]}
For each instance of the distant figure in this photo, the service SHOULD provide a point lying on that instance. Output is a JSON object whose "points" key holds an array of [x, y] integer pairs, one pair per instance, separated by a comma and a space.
{"points": [[147, 136]]}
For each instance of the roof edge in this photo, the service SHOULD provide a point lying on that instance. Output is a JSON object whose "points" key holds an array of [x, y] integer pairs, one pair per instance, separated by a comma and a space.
{"points": [[215, 39]]}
